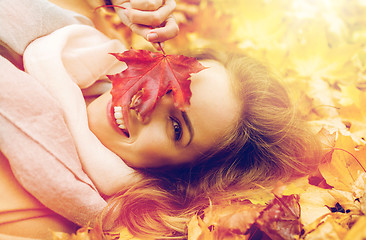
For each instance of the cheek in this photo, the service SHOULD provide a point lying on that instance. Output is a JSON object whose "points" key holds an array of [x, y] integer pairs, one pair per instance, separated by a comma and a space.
{"points": [[151, 149], [151, 153], [97, 118]]}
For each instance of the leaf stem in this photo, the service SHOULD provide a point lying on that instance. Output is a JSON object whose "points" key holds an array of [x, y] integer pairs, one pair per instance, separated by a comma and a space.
{"points": [[161, 48], [352, 156]]}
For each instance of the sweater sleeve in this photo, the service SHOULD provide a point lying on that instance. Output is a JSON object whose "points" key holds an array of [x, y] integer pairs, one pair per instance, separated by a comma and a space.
{"points": [[40, 149], [71, 58], [22, 21]]}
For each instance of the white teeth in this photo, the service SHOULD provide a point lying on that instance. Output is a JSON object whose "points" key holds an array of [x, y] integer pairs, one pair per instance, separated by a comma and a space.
{"points": [[119, 117]]}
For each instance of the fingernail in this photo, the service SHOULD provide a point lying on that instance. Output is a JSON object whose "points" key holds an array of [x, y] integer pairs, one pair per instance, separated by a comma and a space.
{"points": [[152, 36]]}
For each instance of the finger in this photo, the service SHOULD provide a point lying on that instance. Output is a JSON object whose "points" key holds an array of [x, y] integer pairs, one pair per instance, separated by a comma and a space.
{"points": [[141, 30], [170, 30], [123, 13], [146, 5], [152, 18]]}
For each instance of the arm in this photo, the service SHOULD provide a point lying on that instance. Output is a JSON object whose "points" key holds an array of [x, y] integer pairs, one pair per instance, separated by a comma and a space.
{"points": [[22, 21]]}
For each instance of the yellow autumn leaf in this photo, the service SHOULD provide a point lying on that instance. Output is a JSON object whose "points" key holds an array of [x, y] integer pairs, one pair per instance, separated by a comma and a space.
{"points": [[313, 204], [351, 95], [199, 230], [310, 54], [359, 191], [258, 21], [329, 227], [353, 112], [357, 232], [80, 234], [345, 165], [347, 200], [60, 236], [194, 229], [125, 234]]}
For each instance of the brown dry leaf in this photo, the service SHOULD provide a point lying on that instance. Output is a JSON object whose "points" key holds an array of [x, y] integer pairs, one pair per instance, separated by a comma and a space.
{"points": [[238, 222], [281, 218], [229, 221]]}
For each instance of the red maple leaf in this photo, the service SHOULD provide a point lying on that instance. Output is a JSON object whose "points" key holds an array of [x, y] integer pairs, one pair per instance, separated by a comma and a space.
{"points": [[150, 76]]}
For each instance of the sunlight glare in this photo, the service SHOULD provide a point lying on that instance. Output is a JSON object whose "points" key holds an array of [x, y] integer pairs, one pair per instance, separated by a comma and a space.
{"points": [[321, 9]]}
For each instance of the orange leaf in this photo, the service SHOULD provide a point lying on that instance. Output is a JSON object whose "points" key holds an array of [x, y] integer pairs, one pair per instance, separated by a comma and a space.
{"points": [[345, 165]]}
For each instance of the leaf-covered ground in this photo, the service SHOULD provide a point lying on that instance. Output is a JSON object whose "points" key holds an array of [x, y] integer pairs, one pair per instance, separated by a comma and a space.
{"points": [[319, 47]]}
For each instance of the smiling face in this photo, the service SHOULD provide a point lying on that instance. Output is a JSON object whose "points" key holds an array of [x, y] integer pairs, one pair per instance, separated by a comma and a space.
{"points": [[169, 136]]}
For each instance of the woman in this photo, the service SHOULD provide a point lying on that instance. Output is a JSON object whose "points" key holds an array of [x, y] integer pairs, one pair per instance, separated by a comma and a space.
{"points": [[253, 137], [240, 130]]}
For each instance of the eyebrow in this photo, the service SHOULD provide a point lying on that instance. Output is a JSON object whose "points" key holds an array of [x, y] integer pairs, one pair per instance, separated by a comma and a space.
{"points": [[188, 123]]}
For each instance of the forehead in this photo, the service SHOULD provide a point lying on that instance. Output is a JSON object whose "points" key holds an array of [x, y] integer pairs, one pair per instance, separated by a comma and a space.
{"points": [[214, 106]]}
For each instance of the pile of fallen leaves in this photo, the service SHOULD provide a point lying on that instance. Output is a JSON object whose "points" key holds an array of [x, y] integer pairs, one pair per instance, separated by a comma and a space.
{"points": [[319, 49], [330, 204]]}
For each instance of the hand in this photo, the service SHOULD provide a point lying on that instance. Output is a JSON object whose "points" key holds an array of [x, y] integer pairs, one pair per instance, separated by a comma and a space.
{"points": [[151, 19]]}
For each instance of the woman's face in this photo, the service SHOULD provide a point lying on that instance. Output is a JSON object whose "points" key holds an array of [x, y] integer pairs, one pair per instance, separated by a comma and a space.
{"points": [[169, 136]]}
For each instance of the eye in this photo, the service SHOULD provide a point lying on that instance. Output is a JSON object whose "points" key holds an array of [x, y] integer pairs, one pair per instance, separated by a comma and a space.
{"points": [[177, 129]]}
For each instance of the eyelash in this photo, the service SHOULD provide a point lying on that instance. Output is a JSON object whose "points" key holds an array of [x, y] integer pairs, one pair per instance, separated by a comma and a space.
{"points": [[177, 129]]}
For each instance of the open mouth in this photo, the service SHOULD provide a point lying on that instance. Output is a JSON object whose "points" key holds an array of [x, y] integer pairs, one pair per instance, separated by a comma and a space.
{"points": [[117, 121]]}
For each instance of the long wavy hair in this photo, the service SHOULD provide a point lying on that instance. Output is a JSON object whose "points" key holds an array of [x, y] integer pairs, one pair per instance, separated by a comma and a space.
{"points": [[268, 143]]}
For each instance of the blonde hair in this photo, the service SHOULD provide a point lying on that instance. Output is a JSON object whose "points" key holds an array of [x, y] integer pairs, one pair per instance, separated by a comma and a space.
{"points": [[268, 143]]}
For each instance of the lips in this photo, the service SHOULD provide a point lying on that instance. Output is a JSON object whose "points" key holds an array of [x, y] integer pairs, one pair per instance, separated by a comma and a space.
{"points": [[115, 118]]}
